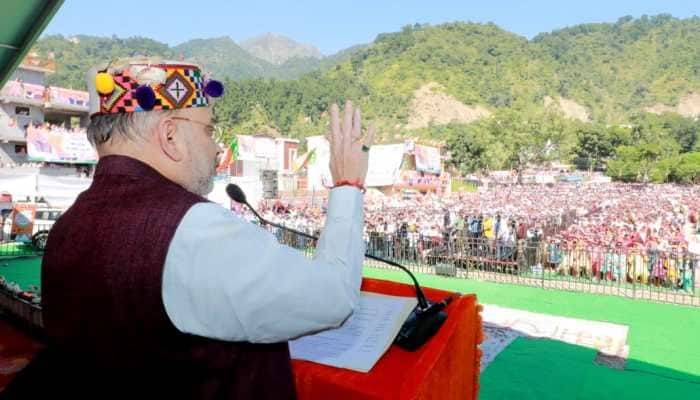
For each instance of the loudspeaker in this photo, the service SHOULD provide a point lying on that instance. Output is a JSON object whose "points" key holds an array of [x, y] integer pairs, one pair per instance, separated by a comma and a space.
{"points": [[269, 183]]}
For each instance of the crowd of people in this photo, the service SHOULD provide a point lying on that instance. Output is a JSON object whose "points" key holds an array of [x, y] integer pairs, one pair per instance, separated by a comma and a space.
{"points": [[641, 234], [81, 171], [61, 128], [11, 164], [612, 231]]}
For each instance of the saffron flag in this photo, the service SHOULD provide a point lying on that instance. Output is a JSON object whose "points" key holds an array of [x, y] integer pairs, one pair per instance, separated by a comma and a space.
{"points": [[302, 161], [230, 155]]}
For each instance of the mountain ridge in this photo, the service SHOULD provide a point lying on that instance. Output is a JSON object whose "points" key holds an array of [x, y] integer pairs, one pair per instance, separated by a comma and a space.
{"points": [[277, 49]]}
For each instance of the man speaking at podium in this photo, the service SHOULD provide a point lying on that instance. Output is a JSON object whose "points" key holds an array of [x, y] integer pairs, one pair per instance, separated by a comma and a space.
{"points": [[151, 290]]}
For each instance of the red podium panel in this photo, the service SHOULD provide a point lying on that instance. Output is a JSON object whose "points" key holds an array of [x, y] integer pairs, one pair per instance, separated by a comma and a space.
{"points": [[446, 367], [16, 351]]}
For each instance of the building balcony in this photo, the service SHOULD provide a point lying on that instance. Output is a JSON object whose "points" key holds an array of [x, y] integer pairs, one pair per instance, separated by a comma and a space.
{"points": [[52, 98], [67, 100], [23, 93]]}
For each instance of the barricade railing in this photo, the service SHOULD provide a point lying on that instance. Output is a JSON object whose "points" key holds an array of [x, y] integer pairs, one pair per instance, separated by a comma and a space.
{"points": [[14, 244], [653, 274]]}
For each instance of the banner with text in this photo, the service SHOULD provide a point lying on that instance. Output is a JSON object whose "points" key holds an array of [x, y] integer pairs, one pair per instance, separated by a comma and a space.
{"points": [[59, 146], [23, 90], [418, 181], [382, 170], [68, 97], [23, 221], [254, 148]]}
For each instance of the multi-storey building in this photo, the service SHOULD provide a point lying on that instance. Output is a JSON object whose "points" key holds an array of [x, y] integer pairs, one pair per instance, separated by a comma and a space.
{"points": [[26, 101]]}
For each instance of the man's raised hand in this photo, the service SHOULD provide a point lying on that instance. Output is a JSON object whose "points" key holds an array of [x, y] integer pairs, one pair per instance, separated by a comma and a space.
{"points": [[349, 152]]}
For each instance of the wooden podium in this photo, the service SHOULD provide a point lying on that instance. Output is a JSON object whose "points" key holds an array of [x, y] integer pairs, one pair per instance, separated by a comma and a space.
{"points": [[446, 367]]}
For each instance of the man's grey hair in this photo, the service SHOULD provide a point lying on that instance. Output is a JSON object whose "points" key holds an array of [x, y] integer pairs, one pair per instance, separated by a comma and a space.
{"points": [[130, 126]]}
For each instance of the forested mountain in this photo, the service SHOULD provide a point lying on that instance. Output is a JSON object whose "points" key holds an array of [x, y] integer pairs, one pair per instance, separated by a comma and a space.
{"points": [[278, 49], [221, 56], [76, 54], [617, 69], [497, 99]]}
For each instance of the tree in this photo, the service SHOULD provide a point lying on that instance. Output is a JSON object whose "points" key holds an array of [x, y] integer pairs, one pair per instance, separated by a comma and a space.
{"points": [[597, 143], [644, 162], [526, 138], [469, 145], [593, 147], [687, 168]]}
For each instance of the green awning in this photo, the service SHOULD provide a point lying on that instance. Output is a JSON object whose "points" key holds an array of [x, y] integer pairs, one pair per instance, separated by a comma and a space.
{"points": [[21, 23]]}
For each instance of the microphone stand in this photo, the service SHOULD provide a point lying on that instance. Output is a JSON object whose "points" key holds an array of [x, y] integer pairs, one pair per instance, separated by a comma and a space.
{"points": [[425, 319]]}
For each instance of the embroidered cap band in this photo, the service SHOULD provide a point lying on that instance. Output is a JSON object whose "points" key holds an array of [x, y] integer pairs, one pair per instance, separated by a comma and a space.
{"points": [[143, 86]]}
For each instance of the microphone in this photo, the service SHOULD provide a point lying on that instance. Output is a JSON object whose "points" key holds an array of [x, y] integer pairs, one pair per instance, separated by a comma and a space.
{"points": [[236, 194], [423, 322]]}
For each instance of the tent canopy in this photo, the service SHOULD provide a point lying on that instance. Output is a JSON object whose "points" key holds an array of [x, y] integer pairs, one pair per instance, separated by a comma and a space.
{"points": [[21, 23]]}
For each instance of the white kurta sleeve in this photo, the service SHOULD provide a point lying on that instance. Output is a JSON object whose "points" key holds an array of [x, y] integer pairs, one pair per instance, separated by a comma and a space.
{"points": [[225, 278]]}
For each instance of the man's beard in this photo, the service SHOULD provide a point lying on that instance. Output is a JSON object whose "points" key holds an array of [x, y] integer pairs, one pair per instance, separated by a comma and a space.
{"points": [[205, 183], [204, 186]]}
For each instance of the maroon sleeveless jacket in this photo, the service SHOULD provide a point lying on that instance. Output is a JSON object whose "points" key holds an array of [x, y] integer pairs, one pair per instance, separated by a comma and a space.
{"points": [[103, 309]]}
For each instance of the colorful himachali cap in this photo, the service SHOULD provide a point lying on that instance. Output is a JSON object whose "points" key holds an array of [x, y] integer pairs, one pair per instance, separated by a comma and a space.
{"points": [[134, 85]]}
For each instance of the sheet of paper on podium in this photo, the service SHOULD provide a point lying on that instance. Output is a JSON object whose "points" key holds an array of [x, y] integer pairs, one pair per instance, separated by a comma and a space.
{"points": [[362, 339]]}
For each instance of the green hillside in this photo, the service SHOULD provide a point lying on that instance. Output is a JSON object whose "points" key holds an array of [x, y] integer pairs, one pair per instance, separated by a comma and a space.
{"points": [[614, 71], [498, 100], [598, 80]]}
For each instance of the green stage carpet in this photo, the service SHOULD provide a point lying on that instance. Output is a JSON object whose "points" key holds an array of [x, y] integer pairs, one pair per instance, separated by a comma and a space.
{"points": [[24, 270], [663, 363], [664, 359]]}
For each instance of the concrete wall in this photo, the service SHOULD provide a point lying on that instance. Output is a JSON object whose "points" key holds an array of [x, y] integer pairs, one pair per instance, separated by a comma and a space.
{"points": [[283, 146], [28, 76], [8, 155], [36, 114]]}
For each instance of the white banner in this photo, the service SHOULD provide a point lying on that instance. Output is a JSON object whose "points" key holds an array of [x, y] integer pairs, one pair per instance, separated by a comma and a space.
{"points": [[246, 148], [17, 182], [61, 191], [251, 186], [384, 164], [319, 173], [427, 159], [255, 148], [265, 147], [382, 170]]}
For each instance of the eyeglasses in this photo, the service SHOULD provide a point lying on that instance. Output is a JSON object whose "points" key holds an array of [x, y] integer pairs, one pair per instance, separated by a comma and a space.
{"points": [[209, 127]]}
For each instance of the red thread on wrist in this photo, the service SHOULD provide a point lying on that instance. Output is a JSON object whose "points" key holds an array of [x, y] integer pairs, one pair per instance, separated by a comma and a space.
{"points": [[356, 184]]}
